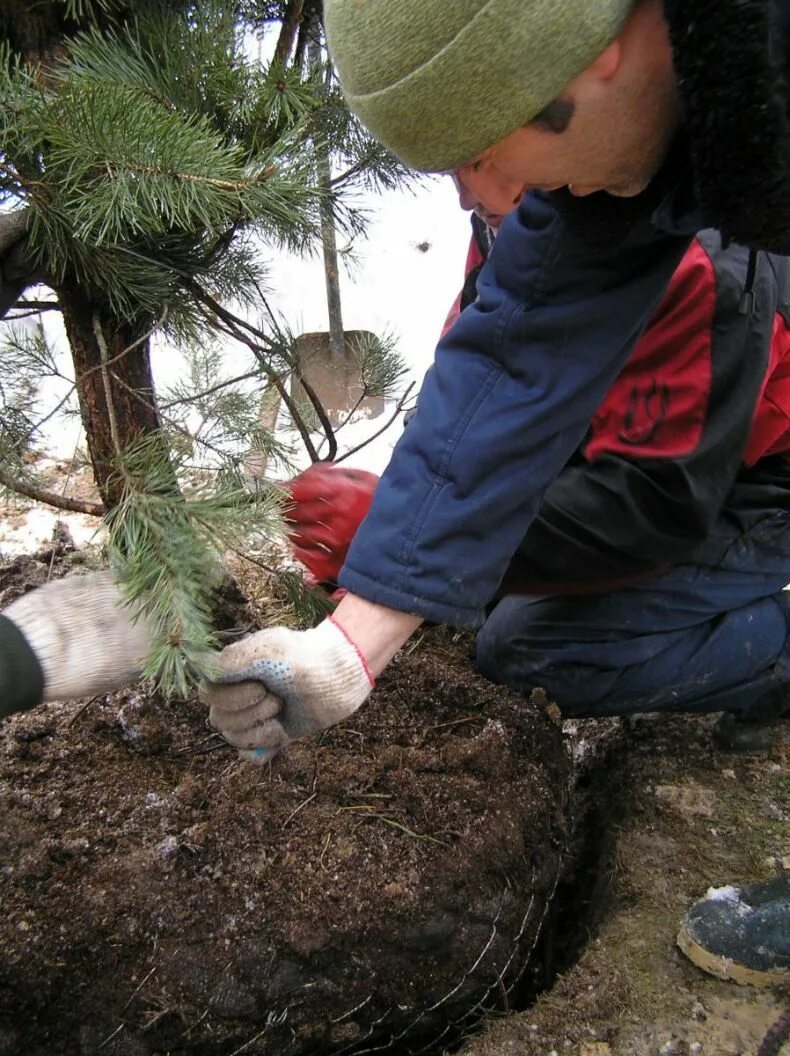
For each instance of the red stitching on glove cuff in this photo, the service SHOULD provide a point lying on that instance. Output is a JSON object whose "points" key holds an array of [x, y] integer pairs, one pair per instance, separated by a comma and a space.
{"points": [[356, 649]]}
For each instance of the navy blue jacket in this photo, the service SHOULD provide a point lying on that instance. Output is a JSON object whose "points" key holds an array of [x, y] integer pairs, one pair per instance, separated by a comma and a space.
{"points": [[560, 308], [514, 386]]}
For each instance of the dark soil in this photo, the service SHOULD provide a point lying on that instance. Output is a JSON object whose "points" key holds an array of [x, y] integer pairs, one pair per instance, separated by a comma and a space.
{"points": [[381, 886]]}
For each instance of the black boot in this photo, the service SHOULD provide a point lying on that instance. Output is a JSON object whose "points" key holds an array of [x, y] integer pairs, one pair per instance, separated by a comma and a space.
{"points": [[766, 725], [742, 933], [733, 734]]}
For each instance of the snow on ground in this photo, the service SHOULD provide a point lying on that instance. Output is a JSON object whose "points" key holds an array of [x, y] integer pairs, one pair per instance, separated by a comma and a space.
{"points": [[31, 529]]}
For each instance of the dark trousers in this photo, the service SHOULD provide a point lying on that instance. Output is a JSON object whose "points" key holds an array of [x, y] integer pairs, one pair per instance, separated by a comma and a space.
{"points": [[712, 635]]}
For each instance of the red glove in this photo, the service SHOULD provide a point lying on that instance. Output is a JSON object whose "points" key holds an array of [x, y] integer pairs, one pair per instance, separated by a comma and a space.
{"points": [[329, 504]]}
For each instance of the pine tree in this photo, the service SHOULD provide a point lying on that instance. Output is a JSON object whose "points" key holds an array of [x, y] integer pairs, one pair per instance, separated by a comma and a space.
{"points": [[145, 156]]}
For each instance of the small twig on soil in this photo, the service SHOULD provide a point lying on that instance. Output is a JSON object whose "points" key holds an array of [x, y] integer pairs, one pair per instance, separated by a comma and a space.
{"points": [[108, 1039], [188, 1032], [323, 852], [455, 722], [81, 711], [137, 990], [215, 741], [344, 730], [503, 991], [300, 807], [371, 812], [219, 780], [415, 643], [156, 1017], [351, 1011], [247, 1044]]}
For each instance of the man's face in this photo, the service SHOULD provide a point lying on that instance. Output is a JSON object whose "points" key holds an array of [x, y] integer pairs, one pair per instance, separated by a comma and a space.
{"points": [[585, 158], [624, 115]]}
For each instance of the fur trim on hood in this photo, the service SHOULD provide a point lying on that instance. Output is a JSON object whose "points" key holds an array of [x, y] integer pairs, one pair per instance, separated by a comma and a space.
{"points": [[731, 62]]}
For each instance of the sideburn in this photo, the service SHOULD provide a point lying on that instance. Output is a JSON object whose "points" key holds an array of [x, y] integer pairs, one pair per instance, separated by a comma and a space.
{"points": [[556, 116]]}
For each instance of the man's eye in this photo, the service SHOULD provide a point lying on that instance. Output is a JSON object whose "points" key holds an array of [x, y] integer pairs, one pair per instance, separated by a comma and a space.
{"points": [[471, 166]]}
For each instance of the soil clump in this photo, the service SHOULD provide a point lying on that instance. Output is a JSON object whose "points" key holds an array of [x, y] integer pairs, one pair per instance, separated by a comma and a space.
{"points": [[381, 886]]}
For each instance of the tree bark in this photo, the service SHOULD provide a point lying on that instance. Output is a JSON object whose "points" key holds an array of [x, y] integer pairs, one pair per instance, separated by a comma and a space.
{"points": [[112, 370], [288, 31]]}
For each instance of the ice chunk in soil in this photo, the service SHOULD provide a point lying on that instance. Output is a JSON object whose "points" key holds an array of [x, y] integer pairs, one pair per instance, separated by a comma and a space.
{"points": [[728, 893]]}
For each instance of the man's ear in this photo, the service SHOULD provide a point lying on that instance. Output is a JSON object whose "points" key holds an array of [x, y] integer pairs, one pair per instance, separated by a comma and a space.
{"points": [[606, 66], [601, 71]]}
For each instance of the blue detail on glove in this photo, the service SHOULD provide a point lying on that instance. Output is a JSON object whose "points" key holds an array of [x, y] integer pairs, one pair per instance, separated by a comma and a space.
{"points": [[276, 675]]}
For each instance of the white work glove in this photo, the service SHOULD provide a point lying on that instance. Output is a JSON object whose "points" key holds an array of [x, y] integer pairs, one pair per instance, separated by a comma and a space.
{"points": [[82, 634], [280, 684]]}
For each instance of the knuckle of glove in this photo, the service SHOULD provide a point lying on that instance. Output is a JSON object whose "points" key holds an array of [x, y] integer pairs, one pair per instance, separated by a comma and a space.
{"points": [[236, 721], [266, 735], [263, 657], [238, 696], [278, 739]]}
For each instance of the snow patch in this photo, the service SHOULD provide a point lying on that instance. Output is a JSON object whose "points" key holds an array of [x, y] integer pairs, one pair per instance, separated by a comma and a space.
{"points": [[728, 893]]}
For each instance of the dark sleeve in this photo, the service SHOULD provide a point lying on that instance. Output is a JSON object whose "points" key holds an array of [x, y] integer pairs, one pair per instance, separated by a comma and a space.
{"points": [[668, 441], [509, 398], [21, 677]]}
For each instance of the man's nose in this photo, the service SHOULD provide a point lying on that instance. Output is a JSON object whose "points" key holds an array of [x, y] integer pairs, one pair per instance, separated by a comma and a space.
{"points": [[466, 198]]}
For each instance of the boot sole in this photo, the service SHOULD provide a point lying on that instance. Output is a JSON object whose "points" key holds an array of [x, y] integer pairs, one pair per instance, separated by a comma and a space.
{"points": [[725, 967]]}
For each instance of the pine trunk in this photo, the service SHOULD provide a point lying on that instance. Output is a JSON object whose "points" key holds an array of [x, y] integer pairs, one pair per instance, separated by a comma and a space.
{"points": [[114, 384], [117, 403]]}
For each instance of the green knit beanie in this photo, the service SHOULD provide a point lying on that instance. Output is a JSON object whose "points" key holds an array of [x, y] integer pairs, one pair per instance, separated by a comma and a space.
{"points": [[439, 81]]}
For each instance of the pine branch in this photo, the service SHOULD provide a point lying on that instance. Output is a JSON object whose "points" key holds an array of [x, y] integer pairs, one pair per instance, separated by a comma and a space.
{"points": [[172, 424], [399, 407], [346, 419], [194, 397], [235, 327], [275, 380], [323, 418], [236, 186], [25, 440], [50, 498], [37, 306], [165, 545]]}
